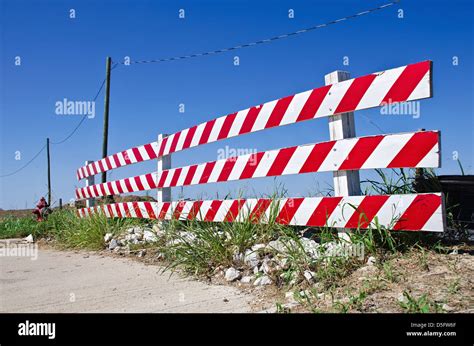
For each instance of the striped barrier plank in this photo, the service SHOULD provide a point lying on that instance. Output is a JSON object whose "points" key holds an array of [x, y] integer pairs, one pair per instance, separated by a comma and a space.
{"points": [[414, 149], [411, 212], [143, 210], [406, 83]]}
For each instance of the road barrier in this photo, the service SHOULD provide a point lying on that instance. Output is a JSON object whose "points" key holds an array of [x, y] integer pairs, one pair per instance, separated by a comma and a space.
{"points": [[344, 155]]}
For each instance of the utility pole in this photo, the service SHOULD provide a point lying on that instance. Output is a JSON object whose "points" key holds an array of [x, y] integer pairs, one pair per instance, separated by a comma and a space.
{"points": [[49, 171], [106, 113]]}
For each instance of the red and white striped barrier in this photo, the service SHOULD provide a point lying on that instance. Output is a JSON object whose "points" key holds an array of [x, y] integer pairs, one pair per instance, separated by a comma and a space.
{"points": [[415, 149], [417, 212], [406, 83]]}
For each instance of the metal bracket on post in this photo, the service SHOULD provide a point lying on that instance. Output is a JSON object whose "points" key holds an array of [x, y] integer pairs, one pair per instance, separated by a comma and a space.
{"points": [[164, 162], [346, 183], [90, 202]]}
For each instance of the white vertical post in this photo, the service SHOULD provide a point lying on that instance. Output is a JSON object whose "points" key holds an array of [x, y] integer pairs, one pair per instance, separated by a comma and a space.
{"points": [[164, 162], [90, 202], [346, 183]]}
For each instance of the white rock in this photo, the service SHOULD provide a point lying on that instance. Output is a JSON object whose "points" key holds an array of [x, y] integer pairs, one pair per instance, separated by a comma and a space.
{"points": [[310, 247], [251, 258], [262, 280], [255, 270], [107, 237], [246, 279], [257, 247], [371, 260], [266, 268], [113, 244], [454, 252], [131, 230], [232, 274], [29, 239], [238, 257], [158, 229], [149, 236], [142, 253], [309, 275]]}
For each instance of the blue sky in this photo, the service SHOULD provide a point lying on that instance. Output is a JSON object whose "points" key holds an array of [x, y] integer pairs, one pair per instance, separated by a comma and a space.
{"points": [[65, 58]]}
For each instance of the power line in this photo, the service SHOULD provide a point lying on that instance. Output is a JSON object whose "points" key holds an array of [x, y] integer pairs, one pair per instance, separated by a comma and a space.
{"points": [[62, 141], [268, 40]]}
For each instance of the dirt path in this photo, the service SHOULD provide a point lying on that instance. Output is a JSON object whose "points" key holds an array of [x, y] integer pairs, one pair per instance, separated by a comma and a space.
{"points": [[65, 281]]}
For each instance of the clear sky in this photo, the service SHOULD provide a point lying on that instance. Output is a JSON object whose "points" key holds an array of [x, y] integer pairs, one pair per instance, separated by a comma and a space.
{"points": [[63, 57]]}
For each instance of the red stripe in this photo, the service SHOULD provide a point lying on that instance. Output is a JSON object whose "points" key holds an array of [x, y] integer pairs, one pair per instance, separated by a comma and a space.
{"points": [[101, 187], [179, 208], [110, 210], [150, 180], [407, 82], [418, 212], [101, 166], [125, 157], [162, 146], [361, 151], [137, 154], [94, 188], [323, 211], [211, 213], [316, 157], [149, 210], [279, 111], [128, 185], [118, 186], [127, 211], [417, 147], [89, 173], [163, 177], [116, 160], [288, 211], [228, 121], [251, 165], [176, 175], [281, 160], [207, 131], [234, 210], [227, 169], [137, 210], [207, 172], [259, 209], [110, 187], [250, 119], [150, 151], [164, 209], [366, 211], [313, 103], [194, 211], [355, 93], [175, 141], [189, 137], [94, 170], [139, 184], [190, 175], [107, 163], [117, 210]]}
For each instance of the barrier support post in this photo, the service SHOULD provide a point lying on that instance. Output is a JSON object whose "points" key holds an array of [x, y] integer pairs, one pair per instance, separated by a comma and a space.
{"points": [[346, 183], [90, 202], [164, 162]]}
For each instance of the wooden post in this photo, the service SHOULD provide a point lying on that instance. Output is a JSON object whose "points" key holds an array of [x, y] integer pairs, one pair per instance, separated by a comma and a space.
{"points": [[49, 171], [60, 203], [164, 162], [346, 183], [90, 202], [106, 114]]}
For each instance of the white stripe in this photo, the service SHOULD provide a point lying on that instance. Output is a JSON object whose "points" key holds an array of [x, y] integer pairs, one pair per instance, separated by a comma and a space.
{"points": [[198, 173], [265, 163], [181, 139], [387, 149], [338, 154], [298, 159], [392, 209], [237, 123], [182, 176], [422, 90], [239, 166], [216, 128], [431, 159], [197, 135], [344, 210], [333, 98], [204, 209], [216, 171], [263, 115], [306, 209], [435, 222], [169, 177], [168, 144], [295, 107], [143, 153], [379, 88]]}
